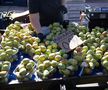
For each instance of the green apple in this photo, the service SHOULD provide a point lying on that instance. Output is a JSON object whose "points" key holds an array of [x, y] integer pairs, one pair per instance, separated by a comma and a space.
{"points": [[52, 56], [89, 52], [81, 34], [41, 66], [5, 67], [56, 24], [97, 40], [103, 47], [99, 51], [32, 62], [85, 48], [105, 57], [7, 62], [46, 63], [21, 66], [62, 52], [45, 73], [98, 55], [89, 56], [15, 43], [23, 72], [49, 47], [6, 47], [95, 44], [65, 56], [66, 72], [42, 57], [35, 45], [29, 66], [93, 48], [54, 63], [2, 56], [36, 57], [49, 37], [84, 51], [25, 61], [57, 57], [37, 39], [51, 70], [54, 45], [3, 43], [98, 48], [91, 65], [61, 66], [105, 63], [14, 51], [47, 42], [48, 51], [106, 53], [89, 36], [98, 34], [38, 51], [9, 51], [43, 48], [9, 43], [88, 59], [72, 61], [54, 50], [28, 46], [92, 38]]}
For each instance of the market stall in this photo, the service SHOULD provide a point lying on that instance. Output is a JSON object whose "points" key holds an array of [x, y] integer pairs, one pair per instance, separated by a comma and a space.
{"points": [[65, 58]]}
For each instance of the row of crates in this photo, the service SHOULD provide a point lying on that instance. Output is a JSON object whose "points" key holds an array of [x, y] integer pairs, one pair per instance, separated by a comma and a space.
{"points": [[14, 2]]}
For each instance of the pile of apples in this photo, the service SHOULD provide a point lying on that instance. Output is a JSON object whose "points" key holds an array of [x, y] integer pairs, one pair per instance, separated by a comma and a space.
{"points": [[94, 50], [25, 69], [48, 56], [50, 59], [55, 30], [4, 71]]}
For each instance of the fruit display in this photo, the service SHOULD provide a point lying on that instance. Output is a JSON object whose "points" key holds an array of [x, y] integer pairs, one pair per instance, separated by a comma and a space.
{"points": [[46, 59], [50, 59], [4, 71], [94, 50], [25, 69]]}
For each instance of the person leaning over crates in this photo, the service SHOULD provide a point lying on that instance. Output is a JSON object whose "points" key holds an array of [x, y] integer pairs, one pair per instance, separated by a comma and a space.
{"points": [[45, 12]]}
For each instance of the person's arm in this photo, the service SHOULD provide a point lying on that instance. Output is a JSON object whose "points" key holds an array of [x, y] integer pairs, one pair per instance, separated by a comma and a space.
{"points": [[34, 14], [63, 2], [34, 19]]}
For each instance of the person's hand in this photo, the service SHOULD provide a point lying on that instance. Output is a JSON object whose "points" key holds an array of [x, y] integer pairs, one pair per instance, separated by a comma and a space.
{"points": [[45, 30]]}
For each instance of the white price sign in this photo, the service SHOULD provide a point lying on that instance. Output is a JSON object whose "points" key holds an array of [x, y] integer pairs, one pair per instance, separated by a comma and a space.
{"points": [[68, 41]]}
